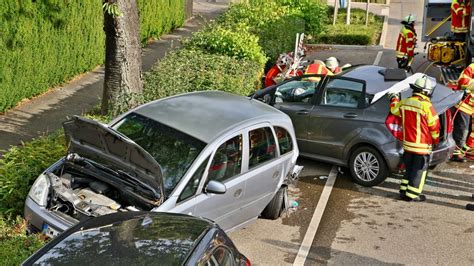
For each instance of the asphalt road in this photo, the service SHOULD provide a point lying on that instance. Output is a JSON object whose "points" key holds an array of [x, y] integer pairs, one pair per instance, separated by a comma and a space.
{"points": [[362, 226]]}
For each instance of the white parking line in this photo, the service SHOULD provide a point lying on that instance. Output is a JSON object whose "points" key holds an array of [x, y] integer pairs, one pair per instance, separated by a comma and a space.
{"points": [[317, 215], [378, 57]]}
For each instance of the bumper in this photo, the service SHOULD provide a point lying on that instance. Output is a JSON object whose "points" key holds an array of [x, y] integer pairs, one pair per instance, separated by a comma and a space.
{"points": [[443, 152], [38, 217]]}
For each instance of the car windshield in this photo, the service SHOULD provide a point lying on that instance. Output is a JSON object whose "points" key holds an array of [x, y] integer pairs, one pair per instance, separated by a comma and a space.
{"points": [[145, 241], [174, 150]]}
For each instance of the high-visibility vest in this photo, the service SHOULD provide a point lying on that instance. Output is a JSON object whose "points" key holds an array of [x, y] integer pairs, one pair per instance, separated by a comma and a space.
{"points": [[318, 69], [406, 42], [420, 123], [460, 16], [465, 79]]}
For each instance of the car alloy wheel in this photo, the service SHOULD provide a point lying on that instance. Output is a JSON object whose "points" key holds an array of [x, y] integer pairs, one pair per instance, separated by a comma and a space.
{"points": [[366, 166]]}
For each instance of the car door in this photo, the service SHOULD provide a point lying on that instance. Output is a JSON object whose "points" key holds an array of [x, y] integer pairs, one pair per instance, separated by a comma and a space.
{"points": [[225, 166], [264, 170], [336, 118], [296, 98]]}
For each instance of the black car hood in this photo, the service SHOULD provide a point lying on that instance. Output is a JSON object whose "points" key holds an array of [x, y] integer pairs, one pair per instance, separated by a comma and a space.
{"points": [[92, 139]]}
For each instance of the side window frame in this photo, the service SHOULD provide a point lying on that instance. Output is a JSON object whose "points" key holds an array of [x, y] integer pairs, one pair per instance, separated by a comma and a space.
{"points": [[204, 163], [360, 105], [247, 144], [222, 141], [278, 142]]}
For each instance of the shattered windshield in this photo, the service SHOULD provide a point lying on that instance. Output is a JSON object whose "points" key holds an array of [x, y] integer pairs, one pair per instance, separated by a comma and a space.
{"points": [[174, 150]]}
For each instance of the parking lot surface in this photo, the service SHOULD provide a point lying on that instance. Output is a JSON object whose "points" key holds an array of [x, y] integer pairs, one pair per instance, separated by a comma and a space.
{"points": [[370, 225]]}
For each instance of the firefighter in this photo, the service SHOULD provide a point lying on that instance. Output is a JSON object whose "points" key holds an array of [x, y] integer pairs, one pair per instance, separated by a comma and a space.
{"points": [[405, 50], [460, 16], [420, 132], [317, 67], [463, 111], [470, 141], [332, 64]]}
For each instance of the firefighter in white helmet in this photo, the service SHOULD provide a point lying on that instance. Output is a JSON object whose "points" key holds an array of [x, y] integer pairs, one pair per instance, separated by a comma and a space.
{"points": [[332, 64]]}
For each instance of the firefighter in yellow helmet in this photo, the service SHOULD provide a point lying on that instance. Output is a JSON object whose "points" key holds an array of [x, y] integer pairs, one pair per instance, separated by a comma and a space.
{"points": [[421, 129], [405, 50]]}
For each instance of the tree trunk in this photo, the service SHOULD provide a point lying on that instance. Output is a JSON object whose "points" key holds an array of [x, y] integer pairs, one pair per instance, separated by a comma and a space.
{"points": [[123, 61], [348, 17], [367, 13], [335, 12]]}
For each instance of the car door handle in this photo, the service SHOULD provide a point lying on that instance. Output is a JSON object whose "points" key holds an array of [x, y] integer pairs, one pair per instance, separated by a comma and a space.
{"points": [[237, 193], [350, 115], [302, 112]]}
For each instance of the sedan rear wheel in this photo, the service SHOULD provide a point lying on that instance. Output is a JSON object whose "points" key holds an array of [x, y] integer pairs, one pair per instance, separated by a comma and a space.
{"points": [[368, 167], [274, 208]]}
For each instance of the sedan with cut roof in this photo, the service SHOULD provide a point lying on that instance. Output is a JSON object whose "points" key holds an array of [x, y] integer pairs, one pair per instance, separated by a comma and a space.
{"points": [[344, 119], [224, 157]]}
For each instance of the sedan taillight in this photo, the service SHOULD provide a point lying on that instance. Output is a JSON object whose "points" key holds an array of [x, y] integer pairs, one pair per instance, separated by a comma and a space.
{"points": [[394, 125], [449, 122]]}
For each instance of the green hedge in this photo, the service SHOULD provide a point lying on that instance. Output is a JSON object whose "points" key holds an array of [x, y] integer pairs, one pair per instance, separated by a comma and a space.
{"points": [[354, 34], [190, 70], [44, 43], [15, 245], [20, 166]]}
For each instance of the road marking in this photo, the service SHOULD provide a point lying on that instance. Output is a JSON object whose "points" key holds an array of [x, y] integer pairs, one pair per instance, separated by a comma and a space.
{"points": [[317, 215], [378, 57]]}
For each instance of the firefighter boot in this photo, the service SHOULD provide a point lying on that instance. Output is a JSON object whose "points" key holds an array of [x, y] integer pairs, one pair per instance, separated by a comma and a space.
{"points": [[458, 155]]}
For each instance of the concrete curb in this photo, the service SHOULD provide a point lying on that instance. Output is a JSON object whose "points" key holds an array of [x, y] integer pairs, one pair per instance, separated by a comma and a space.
{"points": [[346, 46], [383, 35]]}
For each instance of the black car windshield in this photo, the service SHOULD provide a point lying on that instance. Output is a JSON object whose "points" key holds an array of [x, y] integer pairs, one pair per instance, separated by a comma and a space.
{"points": [[140, 241], [174, 150]]}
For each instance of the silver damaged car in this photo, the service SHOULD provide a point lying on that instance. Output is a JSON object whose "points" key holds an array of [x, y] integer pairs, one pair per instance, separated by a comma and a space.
{"points": [[211, 154]]}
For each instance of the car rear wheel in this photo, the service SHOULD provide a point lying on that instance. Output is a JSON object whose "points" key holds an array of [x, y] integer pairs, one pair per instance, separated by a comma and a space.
{"points": [[274, 208], [367, 166]]}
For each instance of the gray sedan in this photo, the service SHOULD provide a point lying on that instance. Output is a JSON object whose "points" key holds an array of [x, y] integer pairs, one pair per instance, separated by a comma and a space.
{"points": [[212, 154], [342, 119]]}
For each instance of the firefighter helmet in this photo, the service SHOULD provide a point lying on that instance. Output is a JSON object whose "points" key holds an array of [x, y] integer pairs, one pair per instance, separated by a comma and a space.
{"points": [[409, 19], [423, 85], [331, 63]]}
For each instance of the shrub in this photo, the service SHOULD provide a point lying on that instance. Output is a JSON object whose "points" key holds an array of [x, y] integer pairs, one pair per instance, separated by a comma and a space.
{"points": [[238, 42], [194, 70], [15, 245], [21, 165], [45, 43]]}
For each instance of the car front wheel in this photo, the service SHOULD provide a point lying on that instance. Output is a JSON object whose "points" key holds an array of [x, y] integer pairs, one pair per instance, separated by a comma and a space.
{"points": [[367, 166]]}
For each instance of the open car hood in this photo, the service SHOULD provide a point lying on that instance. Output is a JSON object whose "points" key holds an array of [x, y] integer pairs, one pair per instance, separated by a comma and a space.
{"points": [[97, 141]]}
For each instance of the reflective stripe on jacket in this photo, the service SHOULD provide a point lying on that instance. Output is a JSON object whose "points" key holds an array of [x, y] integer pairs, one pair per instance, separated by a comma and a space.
{"points": [[465, 77], [406, 42], [460, 16], [420, 123], [318, 69], [467, 104]]}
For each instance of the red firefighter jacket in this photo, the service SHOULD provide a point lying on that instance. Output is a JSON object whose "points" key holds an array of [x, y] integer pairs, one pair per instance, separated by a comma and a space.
{"points": [[406, 42], [470, 139], [467, 104], [460, 16], [420, 123], [317, 69]]}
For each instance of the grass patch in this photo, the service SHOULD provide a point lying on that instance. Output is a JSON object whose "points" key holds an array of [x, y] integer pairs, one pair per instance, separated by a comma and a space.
{"points": [[356, 33]]}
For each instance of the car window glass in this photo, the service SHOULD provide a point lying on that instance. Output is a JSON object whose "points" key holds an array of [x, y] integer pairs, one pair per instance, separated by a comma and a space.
{"points": [[296, 91], [220, 257], [343, 93], [284, 140], [261, 146], [174, 150], [193, 184], [227, 161]]}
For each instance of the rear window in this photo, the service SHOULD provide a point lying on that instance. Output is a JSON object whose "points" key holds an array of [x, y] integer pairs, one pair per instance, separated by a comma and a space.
{"points": [[145, 241], [262, 146]]}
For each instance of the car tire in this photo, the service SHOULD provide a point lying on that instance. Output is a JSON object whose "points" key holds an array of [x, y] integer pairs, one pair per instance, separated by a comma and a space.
{"points": [[274, 208], [368, 167]]}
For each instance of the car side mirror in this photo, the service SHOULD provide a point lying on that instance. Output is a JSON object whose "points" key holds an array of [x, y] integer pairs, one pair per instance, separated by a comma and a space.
{"points": [[215, 187]]}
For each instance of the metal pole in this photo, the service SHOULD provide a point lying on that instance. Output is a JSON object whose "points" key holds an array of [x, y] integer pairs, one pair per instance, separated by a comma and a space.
{"points": [[367, 13], [335, 12], [348, 17]]}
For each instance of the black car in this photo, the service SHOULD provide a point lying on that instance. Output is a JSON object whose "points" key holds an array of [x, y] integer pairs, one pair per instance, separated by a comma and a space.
{"points": [[143, 238]]}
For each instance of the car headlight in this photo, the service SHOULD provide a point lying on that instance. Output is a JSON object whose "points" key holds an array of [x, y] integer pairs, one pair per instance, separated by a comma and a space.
{"points": [[40, 189]]}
